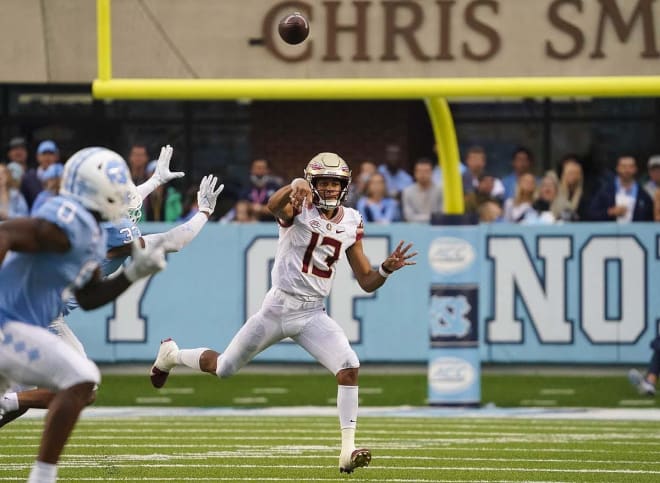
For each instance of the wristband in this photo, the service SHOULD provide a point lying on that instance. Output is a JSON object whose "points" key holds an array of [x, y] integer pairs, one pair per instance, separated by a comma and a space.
{"points": [[384, 272]]}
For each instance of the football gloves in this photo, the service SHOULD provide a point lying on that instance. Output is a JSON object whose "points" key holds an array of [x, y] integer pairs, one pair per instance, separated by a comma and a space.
{"points": [[207, 195], [163, 174], [146, 261]]}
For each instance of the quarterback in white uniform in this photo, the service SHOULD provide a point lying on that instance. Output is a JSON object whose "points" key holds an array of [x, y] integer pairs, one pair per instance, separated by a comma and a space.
{"points": [[315, 230]]}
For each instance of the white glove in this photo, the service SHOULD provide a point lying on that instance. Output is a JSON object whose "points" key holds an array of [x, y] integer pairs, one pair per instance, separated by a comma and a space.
{"points": [[146, 261], [163, 174], [206, 196]]}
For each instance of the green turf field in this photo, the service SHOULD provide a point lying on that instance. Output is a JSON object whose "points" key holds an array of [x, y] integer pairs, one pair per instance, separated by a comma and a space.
{"points": [[297, 449], [262, 390]]}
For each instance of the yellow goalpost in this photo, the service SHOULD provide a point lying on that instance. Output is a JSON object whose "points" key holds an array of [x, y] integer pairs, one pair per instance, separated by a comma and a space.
{"points": [[433, 91]]}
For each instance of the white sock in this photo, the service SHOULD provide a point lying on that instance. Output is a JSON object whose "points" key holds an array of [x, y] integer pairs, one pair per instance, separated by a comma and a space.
{"points": [[347, 405], [43, 473], [9, 401], [190, 357]]}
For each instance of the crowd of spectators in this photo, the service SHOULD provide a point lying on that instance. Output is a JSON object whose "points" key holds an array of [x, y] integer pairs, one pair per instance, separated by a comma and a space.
{"points": [[382, 192]]}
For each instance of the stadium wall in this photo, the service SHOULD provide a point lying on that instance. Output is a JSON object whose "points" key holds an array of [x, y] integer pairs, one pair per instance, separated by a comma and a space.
{"points": [[575, 293], [55, 40]]}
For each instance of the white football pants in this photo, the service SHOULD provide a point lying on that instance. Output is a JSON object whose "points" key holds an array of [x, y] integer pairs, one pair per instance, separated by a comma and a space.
{"points": [[34, 356], [282, 315]]}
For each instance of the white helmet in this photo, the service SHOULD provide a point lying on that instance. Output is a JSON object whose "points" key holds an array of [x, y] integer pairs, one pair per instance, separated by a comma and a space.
{"points": [[98, 179], [328, 165]]}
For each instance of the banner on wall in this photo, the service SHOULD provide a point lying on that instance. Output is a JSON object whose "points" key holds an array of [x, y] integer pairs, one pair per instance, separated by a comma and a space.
{"points": [[454, 367], [574, 293]]}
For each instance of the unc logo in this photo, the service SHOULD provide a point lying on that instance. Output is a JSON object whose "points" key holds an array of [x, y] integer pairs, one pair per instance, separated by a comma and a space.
{"points": [[449, 316], [116, 172]]}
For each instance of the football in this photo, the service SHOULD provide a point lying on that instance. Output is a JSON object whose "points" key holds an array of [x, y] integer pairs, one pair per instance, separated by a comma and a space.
{"points": [[293, 28]]}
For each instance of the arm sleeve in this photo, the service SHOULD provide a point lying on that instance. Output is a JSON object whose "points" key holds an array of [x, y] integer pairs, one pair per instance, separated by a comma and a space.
{"points": [[146, 188], [178, 237]]}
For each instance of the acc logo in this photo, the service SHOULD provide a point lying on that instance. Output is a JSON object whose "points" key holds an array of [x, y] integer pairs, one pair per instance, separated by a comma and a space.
{"points": [[315, 224], [450, 255], [448, 316], [451, 374]]}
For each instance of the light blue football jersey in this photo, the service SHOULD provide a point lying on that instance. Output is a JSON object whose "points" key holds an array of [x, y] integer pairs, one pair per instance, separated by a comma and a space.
{"points": [[32, 284], [117, 234]]}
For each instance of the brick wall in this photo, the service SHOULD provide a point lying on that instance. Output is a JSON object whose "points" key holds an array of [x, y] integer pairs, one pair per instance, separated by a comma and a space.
{"points": [[288, 134]]}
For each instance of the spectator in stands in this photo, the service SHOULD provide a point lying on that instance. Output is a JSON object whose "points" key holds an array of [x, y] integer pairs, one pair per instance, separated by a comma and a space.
{"points": [[17, 172], [12, 203], [546, 196], [396, 178], [622, 198], [359, 183], [17, 155], [652, 184], [522, 163], [244, 213], [482, 194], [570, 203], [17, 152], [164, 202], [490, 211], [421, 199], [47, 154], [138, 158], [656, 205], [475, 161], [262, 185], [437, 170], [51, 181], [241, 212], [190, 207], [517, 208], [375, 206]]}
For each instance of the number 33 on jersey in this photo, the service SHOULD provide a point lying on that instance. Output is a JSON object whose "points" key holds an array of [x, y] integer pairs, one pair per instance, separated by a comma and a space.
{"points": [[312, 244]]}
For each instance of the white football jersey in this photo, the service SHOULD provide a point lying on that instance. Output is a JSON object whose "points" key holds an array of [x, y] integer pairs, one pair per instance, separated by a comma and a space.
{"points": [[309, 248]]}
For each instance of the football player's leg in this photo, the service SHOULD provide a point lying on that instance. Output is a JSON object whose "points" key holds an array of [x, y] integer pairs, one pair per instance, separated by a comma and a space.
{"points": [[32, 355], [62, 329], [645, 383], [326, 341], [654, 366], [259, 332]]}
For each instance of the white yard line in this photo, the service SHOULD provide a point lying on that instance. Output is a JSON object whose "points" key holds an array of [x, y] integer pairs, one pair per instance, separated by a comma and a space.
{"points": [[580, 415]]}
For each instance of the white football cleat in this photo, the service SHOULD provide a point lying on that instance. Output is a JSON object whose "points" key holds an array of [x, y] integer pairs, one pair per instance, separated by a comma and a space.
{"points": [[643, 386], [165, 361], [358, 458]]}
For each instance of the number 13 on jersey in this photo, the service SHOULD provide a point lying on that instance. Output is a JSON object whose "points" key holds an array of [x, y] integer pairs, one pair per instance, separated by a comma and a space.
{"points": [[329, 260]]}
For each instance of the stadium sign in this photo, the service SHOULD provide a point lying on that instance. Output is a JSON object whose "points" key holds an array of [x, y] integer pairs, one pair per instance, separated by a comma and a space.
{"points": [[570, 293], [348, 39], [463, 32]]}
